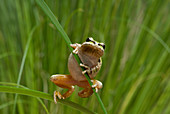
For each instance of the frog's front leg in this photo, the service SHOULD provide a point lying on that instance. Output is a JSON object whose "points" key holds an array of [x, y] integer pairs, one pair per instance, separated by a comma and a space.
{"points": [[92, 70], [75, 47], [63, 81], [87, 91]]}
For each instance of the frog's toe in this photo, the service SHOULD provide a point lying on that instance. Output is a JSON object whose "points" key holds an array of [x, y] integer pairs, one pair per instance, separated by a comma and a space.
{"points": [[82, 65], [83, 72], [75, 51], [94, 86], [95, 89], [57, 95]]}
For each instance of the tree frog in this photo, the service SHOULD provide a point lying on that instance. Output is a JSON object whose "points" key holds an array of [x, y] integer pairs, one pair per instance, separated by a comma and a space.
{"points": [[90, 53]]}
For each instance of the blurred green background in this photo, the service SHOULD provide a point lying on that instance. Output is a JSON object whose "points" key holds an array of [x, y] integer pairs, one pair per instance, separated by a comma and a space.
{"points": [[136, 64]]}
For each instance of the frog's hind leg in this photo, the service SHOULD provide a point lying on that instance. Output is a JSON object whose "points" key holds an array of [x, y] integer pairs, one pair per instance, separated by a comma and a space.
{"points": [[63, 81], [87, 91]]}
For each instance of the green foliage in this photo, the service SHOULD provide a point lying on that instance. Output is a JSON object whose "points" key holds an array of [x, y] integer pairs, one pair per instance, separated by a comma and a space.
{"points": [[136, 64]]}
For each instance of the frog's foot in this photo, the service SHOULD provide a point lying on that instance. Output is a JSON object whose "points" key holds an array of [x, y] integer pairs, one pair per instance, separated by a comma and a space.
{"points": [[86, 92], [97, 85], [91, 70], [75, 46], [57, 95], [63, 81]]}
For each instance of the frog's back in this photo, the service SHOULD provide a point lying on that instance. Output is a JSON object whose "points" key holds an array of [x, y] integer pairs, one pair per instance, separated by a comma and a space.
{"points": [[74, 69]]}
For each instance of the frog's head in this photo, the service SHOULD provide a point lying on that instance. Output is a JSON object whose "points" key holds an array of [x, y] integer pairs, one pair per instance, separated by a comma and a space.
{"points": [[93, 47]]}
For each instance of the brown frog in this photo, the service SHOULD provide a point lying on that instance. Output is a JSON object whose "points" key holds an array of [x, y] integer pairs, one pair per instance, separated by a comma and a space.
{"points": [[90, 53]]}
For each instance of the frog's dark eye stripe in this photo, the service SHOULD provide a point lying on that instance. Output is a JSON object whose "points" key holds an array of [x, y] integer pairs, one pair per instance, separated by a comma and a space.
{"points": [[101, 44], [99, 60], [93, 42], [89, 39]]}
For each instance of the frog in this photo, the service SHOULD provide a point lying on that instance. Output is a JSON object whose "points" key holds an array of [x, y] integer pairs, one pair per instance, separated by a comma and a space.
{"points": [[90, 53]]}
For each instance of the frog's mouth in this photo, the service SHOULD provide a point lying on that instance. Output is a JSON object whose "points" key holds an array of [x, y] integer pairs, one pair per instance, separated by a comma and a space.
{"points": [[92, 49]]}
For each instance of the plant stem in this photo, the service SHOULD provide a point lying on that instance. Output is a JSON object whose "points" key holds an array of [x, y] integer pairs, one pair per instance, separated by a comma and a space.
{"points": [[54, 20]]}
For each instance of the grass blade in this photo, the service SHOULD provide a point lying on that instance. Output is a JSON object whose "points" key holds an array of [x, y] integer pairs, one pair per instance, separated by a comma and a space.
{"points": [[22, 65], [42, 95]]}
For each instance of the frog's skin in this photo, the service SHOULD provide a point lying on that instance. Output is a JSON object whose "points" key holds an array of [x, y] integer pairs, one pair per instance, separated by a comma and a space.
{"points": [[90, 53]]}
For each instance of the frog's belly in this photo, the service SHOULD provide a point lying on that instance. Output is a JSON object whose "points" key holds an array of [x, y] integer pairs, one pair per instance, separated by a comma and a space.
{"points": [[75, 70]]}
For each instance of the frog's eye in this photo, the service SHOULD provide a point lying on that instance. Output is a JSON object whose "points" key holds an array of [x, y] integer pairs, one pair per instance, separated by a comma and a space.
{"points": [[102, 45], [90, 39]]}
